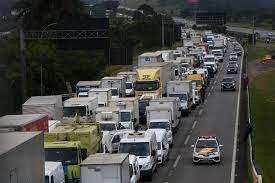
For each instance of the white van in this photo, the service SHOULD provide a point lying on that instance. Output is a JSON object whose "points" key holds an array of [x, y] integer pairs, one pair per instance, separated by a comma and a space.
{"points": [[134, 169], [54, 172], [163, 145], [143, 144]]}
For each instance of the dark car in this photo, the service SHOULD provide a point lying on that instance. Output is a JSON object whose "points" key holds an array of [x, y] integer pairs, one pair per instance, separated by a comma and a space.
{"points": [[238, 50], [210, 71], [228, 84], [232, 69]]}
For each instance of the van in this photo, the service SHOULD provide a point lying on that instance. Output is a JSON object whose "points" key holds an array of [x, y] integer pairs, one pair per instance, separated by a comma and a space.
{"points": [[54, 172], [142, 144], [134, 169], [163, 145]]}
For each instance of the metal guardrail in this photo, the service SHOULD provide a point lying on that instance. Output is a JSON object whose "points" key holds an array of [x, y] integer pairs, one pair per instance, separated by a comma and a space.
{"points": [[257, 177]]}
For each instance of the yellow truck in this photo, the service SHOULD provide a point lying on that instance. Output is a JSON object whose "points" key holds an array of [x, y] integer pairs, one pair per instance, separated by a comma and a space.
{"points": [[152, 78], [197, 78], [71, 143]]}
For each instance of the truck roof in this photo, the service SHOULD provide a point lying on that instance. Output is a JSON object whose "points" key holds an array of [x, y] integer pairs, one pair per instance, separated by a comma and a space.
{"points": [[19, 120], [11, 140], [157, 108], [72, 127], [126, 73], [140, 136], [50, 166], [43, 100], [88, 83], [159, 133], [164, 99], [156, 64], [107, 109], [150, 54], [100, 89], [113, 78], [124, 99], [105, 159], [61, 144], [179, 81], [79, 100]]}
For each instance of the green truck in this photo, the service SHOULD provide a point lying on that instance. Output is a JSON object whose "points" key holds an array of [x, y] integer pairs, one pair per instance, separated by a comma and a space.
{"points": [[71, 143]]}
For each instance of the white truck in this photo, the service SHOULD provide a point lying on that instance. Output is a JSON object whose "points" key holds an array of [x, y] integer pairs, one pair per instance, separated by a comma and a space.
{"points": [[177, 69], [103, 95], [130, 80], [182, 90], [166, 55], [82, 87], [117, 84], [173, 103], [108, 118], [84, 106], [188, 43], [104, 168], [189, 60], [149, 57], [129, 111], [219, 44], [51, 105], [54, 172]]}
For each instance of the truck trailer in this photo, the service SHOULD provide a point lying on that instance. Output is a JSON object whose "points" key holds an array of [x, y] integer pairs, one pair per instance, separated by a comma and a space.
{"points": [[82, 87]]}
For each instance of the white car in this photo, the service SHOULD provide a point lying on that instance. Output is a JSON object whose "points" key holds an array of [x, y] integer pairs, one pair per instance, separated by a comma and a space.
{"points": [[233, 63], [207, 150], [233, 57]]}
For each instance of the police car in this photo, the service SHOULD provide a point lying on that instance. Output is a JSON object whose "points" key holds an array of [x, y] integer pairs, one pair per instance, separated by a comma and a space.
{"points": [[207, 150]]}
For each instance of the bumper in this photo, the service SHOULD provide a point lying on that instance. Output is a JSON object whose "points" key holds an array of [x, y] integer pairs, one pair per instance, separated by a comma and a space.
{"points": [[220, 59], [211, 159], [145, 173], [231, 88], [232, 71]]}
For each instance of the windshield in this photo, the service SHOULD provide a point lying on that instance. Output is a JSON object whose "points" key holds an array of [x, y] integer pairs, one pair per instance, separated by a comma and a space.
{"points": [[227, 80], [206, 144], [68, 156], [159, 145], [147, 86], [161, 125], [182, 97], [233, 55], [231, 66], [218, 54], [209, 59], [137, 148], [107, 126], [71, 111], [129, 86], [230, 63], [114, 92], [125, 116]]}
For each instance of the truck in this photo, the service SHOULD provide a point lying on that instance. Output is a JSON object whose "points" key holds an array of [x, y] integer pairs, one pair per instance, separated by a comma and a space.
{"points": [[82, 87], [166, 55], [50, 105], [54, 172], [219, 44], [188, 43], [129, 112], [177, 69], [198, 79], [103, 95], [108, 118], [196, 39], [105, 168], [182, 90], [25, 122], [130, 80], [117, 84], [174, 104], [70, 143], [84, 106], [143, 102], [149, 57], [189, 60], [22, 157], [152, 78]]}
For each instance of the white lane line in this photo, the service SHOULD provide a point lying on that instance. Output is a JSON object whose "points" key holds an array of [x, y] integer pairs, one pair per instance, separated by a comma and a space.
{"points": [[205, 101], [233, 165], [212, 87], [200, 112], [186, 140], [215, 82], [209, 94], [194, 124], [176, 162]]}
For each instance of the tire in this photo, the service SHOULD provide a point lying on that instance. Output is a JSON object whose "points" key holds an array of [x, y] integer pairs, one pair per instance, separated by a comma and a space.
{"points": [[150, 176]]}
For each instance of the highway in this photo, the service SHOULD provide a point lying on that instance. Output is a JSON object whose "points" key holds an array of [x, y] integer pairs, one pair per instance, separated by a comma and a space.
{"points": [[217, 116]]}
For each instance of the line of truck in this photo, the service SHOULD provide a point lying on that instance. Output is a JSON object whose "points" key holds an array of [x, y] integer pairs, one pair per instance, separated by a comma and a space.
{"points": [[135, 114]]}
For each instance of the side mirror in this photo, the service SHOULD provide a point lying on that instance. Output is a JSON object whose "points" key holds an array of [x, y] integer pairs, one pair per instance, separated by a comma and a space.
{"points": [[192, 146], [220, 145]]}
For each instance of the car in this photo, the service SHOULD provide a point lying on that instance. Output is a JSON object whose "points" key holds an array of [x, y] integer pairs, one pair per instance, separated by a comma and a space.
{"points": [[233, 57], [228, 84], [238, 50], [235, 43], [233, 63], [207, 149], [232, 69]]}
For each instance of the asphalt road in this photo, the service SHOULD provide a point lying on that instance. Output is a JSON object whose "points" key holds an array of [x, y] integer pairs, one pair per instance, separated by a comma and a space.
{"points": [[216, 116], [263, 33]]}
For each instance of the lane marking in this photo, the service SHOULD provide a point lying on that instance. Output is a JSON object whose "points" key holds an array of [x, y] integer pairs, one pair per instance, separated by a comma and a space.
{"points": [[177, 161], [205, 101], [212, 87], [200, 111], [194, 124], [208, 94], [215, 82], [186, 140], [233, 165]]}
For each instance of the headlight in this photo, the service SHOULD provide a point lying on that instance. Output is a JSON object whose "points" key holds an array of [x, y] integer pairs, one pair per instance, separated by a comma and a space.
{"points": [[146, 165]]}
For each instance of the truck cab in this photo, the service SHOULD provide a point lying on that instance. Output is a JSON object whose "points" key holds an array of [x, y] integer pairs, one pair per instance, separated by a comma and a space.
{"points": [[54, 172], [142, 144], [108, 118]]}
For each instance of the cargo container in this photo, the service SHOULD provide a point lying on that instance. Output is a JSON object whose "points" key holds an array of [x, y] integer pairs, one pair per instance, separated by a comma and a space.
{"points": [[117, 84], [25, 122], [166, 55], [149, 57], [103, 168], [103, 95], [51, 105], [130, 80], [82, 87], [22, 157]]}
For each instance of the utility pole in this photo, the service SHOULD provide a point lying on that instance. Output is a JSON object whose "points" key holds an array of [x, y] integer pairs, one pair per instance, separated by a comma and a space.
{"points": [[162, 32], [23, 62]]}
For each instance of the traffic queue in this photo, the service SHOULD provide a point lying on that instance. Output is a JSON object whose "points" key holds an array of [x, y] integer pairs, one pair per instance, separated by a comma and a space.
{"points": [[121, 128]]}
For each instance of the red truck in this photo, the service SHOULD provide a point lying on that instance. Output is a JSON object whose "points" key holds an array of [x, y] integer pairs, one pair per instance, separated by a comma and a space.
{"points": [[25, 122]]}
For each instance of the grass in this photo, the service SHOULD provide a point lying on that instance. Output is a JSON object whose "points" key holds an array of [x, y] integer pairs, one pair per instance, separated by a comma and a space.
{"points": [[258, 51], [263, 117], [261, 26]]}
